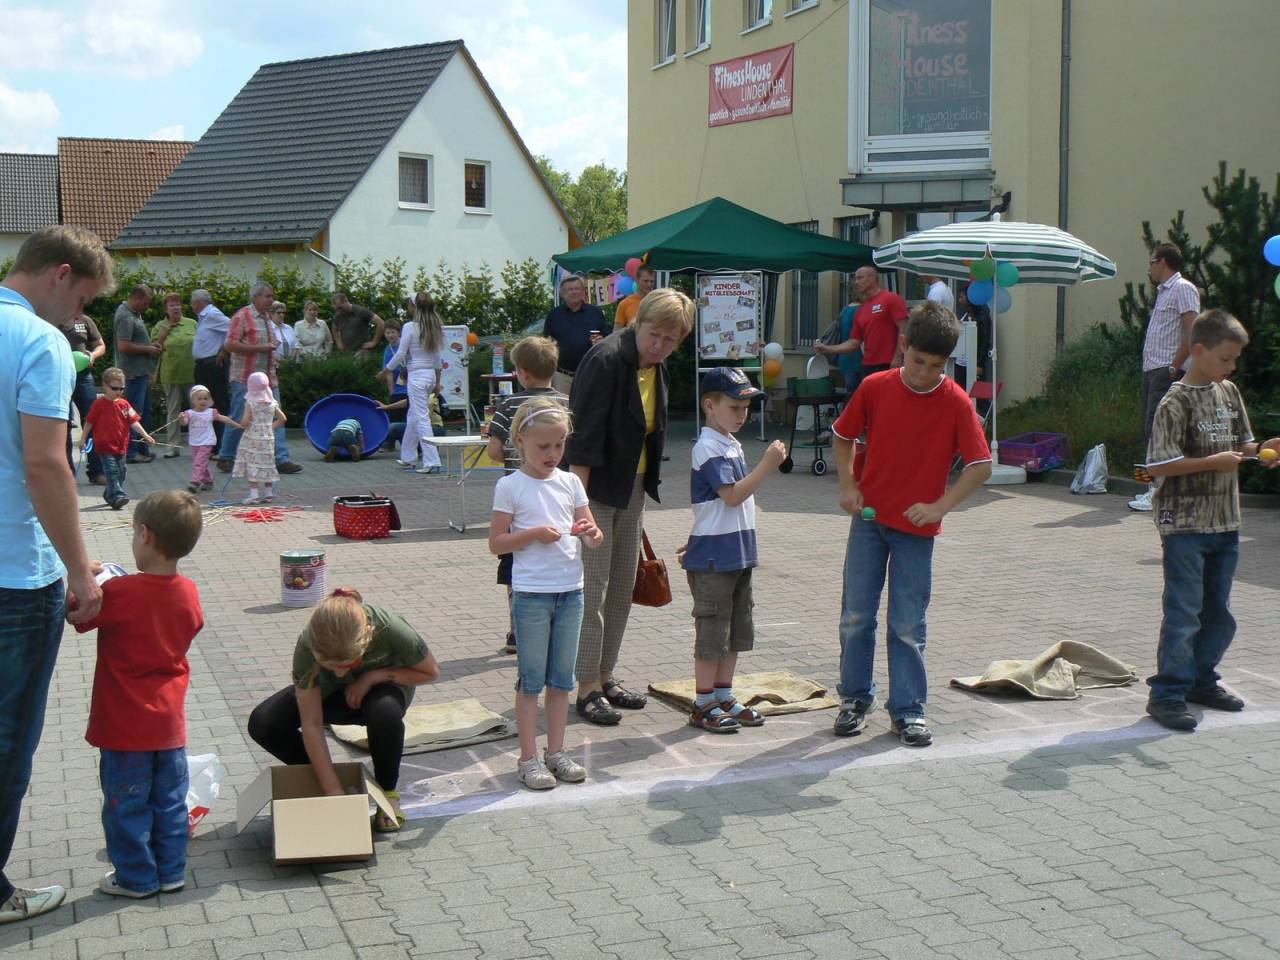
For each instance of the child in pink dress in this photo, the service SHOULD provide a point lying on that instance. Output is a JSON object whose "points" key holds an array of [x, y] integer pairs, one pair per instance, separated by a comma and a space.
{"points": [[256, 457]]}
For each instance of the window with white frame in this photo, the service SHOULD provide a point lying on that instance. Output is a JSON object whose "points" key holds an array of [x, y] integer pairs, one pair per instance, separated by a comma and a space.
{"points": [[794, 6], [920, 85], [699, 26], [475, 185], [665, 50], [415, 181], [858, 230], [756, 13], [803, 329]]}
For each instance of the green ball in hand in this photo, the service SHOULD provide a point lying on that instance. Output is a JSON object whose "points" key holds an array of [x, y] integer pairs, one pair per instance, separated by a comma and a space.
{"points": [[81, 360], [868, 513]]}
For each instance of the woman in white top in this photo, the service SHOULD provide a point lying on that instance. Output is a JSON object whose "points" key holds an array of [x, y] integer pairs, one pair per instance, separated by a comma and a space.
{"points": [[313, 336], [421, 353]]}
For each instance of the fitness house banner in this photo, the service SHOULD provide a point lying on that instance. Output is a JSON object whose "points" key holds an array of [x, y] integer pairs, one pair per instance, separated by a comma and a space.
{"points": [[752, 87]]}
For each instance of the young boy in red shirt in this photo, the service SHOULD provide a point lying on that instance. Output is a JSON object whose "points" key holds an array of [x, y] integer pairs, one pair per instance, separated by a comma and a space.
{"points": [[137, 716], [915, 420], [109, 422]]}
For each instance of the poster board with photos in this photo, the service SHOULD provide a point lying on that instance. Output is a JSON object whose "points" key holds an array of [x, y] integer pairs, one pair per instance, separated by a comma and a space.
{"points": [[729, 316], [453, 378]]}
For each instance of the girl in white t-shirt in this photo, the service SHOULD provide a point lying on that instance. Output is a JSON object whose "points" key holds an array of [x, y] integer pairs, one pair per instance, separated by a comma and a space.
{"points": [[200, 436], [539, 514]]}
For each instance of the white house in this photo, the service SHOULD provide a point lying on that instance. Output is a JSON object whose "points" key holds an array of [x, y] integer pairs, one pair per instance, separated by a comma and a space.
{"points": [[403, 152]]}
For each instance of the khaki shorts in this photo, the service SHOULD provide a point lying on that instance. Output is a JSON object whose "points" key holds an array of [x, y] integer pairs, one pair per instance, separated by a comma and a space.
{"points": [[722, 613]]}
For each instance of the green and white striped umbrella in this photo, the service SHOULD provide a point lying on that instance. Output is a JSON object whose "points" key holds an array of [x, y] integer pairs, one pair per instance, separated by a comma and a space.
{"points": [[1042, 254]]}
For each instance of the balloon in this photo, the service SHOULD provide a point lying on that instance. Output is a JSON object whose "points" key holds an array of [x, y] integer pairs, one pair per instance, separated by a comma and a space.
{"points": [[772, 368], [980, 292], [472, 339], [772, 351], [624, 286], [1278, 286], [1007, 274], [81, 360], [634, 264], [1004, 300], [983, 269], [1271, 250]]}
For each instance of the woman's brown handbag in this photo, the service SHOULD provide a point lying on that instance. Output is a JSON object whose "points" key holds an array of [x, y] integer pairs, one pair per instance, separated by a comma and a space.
{"points": [[652, 588]]}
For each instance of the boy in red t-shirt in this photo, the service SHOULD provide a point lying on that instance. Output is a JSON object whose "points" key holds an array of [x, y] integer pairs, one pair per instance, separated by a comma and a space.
{"points": [[137, 716], [109, 422], [915, 420]]}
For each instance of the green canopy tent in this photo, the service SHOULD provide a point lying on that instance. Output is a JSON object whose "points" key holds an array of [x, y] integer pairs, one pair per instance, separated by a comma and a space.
{"points": [[718, 235]]}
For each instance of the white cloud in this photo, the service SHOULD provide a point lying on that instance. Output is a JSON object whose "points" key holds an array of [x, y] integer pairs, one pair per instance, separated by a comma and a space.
{"points": [[174, 131], [27, 120]]}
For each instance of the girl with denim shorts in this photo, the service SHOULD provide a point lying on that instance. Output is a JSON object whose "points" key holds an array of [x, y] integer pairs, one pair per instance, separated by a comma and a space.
{"points": [[539, 514]]}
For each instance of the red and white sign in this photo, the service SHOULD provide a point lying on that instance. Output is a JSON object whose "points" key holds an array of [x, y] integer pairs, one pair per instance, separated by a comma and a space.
{"points": [[751, 87]]}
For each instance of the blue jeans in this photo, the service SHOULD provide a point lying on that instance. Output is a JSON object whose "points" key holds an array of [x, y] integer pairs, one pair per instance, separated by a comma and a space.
{"points": [[144, 815], [547, 627], [30, 632], [137, 390], [231, 435], [114, 470], [82, 397], [909, 560], [1198, 626]]}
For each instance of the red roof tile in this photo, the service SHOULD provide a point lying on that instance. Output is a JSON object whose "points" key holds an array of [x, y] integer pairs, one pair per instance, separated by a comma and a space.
{"points": [[104, 183]]}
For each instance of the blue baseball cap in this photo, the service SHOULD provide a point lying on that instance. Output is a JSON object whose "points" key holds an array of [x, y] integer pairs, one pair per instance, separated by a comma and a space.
{"points": [[730, 381]]}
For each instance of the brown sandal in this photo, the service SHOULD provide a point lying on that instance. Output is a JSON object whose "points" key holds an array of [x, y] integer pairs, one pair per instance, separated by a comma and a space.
{"points": [[747, 716], [720, 723]]}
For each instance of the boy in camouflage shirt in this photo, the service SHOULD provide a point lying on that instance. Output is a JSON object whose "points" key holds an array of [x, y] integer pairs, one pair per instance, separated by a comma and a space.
{"points": [[1201, 434]]}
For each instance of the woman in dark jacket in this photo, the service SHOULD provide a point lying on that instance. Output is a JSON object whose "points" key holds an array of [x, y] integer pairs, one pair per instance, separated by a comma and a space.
{"points": [[619, 404]]}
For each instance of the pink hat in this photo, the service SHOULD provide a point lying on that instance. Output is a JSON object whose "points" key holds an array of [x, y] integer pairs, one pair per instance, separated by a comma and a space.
{"points": [[258, 389]]}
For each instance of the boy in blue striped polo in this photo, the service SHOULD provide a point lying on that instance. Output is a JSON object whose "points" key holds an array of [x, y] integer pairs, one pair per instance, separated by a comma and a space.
{"points": [[722, 549]]}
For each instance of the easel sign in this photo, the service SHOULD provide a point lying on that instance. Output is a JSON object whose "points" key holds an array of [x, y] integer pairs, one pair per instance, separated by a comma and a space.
{"points": [[729, 316], [453, 378]]}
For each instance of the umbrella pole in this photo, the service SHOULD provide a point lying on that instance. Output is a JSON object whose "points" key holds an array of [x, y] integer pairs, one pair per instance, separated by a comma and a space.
{"points": [[1000, 473]]}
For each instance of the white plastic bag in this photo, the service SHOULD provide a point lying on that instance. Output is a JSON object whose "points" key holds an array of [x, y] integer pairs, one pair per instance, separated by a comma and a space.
{"points": [[205, 774], [1091, 475]]}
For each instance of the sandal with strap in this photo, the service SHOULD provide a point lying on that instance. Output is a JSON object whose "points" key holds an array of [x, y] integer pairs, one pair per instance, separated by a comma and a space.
{"points": [[720, 722], [620, 696], [595, 707], [384, 824], [747, 716]]}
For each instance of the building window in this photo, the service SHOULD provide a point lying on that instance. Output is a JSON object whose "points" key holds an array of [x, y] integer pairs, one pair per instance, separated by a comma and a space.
{"points": [[475, 187], [795, 6], [415, 181], [920, 77], [756, 13], [857, 230], [666, 40], [699, 26], [804, 300]]}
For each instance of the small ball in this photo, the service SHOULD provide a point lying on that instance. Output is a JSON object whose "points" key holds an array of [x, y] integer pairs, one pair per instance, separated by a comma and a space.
{"points": [[868, 513], [1267, 454]]}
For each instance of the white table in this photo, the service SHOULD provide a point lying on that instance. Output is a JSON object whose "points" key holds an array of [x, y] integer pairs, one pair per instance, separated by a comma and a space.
{"points": [[446, 446]]}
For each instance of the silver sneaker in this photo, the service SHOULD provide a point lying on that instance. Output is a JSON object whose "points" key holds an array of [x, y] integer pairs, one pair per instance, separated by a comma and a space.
{"points": [[563, 767], [535, 776], [1141, 503], [24, 904]]}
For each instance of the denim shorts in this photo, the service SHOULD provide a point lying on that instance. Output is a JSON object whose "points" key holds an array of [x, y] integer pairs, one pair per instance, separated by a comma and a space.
{"points": [[342, 437], [547, 627]]}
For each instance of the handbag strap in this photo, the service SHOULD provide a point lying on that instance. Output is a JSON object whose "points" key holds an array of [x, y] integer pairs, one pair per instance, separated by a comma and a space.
{"points": [[646, 547]]}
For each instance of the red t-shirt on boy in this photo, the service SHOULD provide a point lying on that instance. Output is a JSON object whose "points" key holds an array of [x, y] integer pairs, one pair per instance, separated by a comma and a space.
{"points": [[145, 628], [911, 441], [876, 324], [112, 421]]}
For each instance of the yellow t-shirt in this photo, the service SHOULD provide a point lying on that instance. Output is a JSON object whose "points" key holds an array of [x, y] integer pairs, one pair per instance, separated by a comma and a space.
{"points": [[647, 378], [625, 313]]}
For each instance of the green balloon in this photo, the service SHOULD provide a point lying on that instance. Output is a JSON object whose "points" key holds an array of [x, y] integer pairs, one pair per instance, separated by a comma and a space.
{"points": [[1007, 274], [1278, 285], [983, 269], [81, 360]]}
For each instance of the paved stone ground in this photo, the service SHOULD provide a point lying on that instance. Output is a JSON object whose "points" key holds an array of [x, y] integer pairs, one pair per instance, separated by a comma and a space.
{"points": [[1029, 830]]}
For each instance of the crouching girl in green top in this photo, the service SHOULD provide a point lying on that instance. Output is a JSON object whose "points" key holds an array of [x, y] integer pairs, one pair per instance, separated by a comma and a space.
{"points": [[356, 663]]}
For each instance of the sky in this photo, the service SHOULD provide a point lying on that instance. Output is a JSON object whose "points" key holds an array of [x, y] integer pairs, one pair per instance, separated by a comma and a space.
{"points": [[165, 69]]}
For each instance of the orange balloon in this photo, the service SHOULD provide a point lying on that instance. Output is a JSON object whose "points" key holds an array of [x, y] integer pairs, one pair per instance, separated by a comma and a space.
{"points": [[772, 368], [473, 339]]}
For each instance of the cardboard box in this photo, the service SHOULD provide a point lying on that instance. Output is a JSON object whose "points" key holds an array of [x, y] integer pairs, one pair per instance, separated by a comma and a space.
{"points": [[306, 825]]}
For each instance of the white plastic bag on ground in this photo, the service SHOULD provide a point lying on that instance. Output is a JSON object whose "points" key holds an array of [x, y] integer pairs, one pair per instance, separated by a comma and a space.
{"points": [[1091, 475], [205, 774]]}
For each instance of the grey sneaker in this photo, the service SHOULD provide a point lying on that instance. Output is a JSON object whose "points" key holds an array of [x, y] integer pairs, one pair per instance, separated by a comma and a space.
{"points": [[563, 767], [853, 716], [24, 904], [913, 731], [535, 776]]}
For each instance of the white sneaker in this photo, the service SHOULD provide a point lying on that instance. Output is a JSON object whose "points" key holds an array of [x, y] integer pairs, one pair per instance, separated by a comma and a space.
{"points": [[535, 776], [24, 904], [1141, 503], [109, 886], [563, 767], [407, 463], [426, 469]]}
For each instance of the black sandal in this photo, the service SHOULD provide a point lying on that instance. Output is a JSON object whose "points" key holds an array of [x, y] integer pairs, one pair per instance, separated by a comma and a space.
{"points": [[595, 708], [624, 698], [721, 722]]}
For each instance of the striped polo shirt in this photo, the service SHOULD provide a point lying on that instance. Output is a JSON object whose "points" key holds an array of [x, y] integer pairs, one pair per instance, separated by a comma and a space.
{"points": [[723, 537], [1174, 297]]}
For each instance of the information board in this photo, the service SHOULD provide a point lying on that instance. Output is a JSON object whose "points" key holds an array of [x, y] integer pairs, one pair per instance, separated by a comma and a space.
{"points": [[457, 392], [729, 316]]}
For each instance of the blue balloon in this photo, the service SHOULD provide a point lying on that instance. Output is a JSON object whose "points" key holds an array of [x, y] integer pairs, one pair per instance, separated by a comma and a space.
{"points": [[1271, 250], [980, 292], [625, 286], [1004, 300]]}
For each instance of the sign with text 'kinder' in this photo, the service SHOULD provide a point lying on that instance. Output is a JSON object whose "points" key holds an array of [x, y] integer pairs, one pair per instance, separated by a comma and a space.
{"points": [[751, 87]]}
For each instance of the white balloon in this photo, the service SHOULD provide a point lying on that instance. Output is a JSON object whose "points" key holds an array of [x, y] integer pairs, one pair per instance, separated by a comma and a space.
{"points": [[772, 351]]}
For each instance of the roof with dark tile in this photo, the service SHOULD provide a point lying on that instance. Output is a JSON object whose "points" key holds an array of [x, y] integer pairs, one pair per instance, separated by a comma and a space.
{"points": [[105, 183], [28, 192]]}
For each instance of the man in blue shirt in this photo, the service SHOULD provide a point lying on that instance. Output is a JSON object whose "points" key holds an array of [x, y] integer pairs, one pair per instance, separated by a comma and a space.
{"points": [[575, 326], [57, 271]]}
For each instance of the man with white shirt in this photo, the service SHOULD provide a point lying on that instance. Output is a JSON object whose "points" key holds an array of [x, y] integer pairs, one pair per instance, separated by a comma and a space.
{"points": [[208, 352], [1168, 341], [940, 292]]}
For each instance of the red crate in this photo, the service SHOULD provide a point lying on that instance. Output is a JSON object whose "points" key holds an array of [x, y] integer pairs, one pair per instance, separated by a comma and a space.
{"points": [[1036, 452]]}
